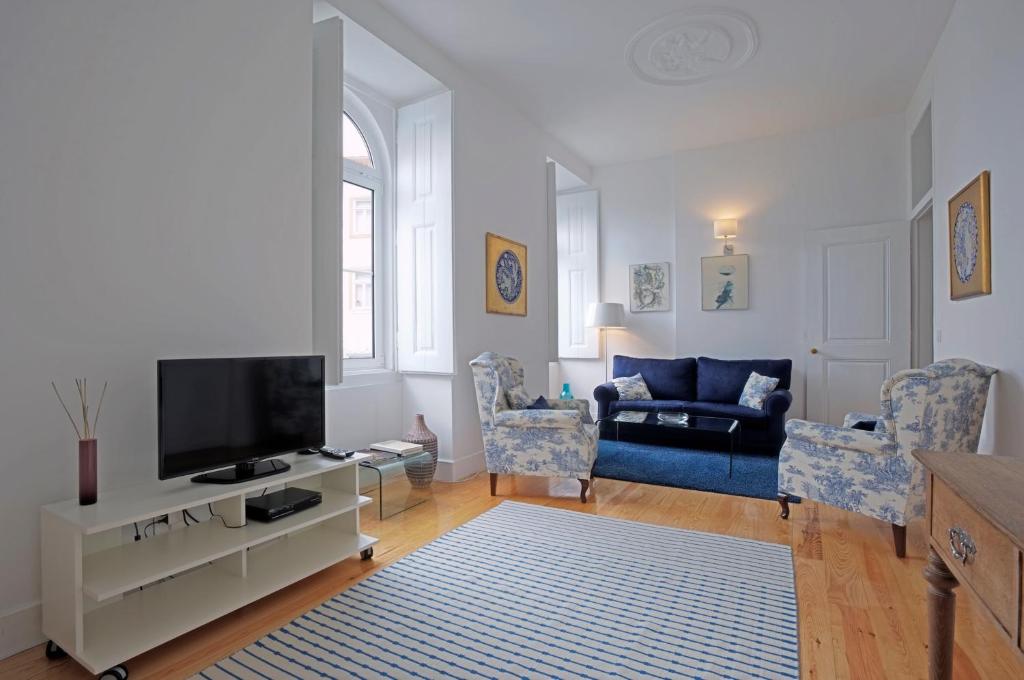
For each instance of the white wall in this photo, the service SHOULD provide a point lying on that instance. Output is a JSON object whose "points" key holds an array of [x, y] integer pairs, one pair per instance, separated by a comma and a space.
{"points": [[637, 226], [499, 167], [779, 188], [974, 82], [154, 202]]}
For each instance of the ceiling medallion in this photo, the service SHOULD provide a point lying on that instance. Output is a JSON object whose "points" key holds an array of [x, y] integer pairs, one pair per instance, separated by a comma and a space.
{"points": [[692, 46]]}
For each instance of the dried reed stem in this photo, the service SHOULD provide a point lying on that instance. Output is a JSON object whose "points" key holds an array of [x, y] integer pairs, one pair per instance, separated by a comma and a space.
{"points": [[61, 400], [96, 418]]}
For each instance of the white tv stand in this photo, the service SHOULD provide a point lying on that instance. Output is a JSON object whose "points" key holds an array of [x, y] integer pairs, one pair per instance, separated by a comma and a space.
{"points": [[93, 607]]}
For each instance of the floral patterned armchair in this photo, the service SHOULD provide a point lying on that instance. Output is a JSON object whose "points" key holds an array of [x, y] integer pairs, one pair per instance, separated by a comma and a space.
{"points": [[872, 471], [556, 442]]}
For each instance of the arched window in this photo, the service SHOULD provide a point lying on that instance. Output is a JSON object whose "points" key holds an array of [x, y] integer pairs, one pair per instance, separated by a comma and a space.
{"points": [[362, 249], [354, 143]]}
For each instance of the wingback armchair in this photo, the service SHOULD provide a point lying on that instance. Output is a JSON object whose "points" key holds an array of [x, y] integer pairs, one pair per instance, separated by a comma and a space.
{"points": [[556, 442], [870, 470]]}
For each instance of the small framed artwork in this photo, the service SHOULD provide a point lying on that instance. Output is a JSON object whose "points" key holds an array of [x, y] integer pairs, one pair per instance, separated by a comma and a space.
{"points": [[970, 246], [649, 289], [724, 282], [506, 276]]}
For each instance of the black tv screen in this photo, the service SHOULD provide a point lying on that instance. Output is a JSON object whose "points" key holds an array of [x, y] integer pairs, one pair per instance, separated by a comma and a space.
{"points": [[214, 413]]}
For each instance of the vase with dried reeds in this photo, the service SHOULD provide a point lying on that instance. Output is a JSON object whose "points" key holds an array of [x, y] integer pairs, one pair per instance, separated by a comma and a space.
{"points": [[86, 439]]}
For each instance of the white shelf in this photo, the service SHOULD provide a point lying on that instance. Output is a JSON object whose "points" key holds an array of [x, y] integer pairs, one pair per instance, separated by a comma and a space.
{"points": [[91, 569], [120, 507], [147, 618], [124, 568]]}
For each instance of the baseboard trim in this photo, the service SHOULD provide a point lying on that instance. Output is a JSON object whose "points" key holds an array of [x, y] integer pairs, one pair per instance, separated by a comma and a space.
{"points": [[20, 629], [461, 468]]}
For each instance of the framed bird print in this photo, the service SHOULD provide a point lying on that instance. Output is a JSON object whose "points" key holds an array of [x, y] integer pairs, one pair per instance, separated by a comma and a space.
{"points": [[724, 282]]}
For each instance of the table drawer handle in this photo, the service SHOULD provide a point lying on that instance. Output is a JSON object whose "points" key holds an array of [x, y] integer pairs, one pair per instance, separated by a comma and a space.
{"points": [[962, 545]]}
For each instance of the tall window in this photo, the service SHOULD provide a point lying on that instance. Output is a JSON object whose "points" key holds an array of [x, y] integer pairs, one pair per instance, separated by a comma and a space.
{"points": [[361, 190]]}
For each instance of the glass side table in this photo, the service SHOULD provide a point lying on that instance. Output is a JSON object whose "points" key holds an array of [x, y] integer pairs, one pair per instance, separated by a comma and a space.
{"points": [[384, 476]]}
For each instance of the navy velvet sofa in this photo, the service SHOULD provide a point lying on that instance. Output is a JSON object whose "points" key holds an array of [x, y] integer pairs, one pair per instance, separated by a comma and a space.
{"points": [[707, 387]]}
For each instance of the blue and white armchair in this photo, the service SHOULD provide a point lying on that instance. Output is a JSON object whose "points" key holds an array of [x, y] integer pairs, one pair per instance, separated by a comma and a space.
{"points": [[872, 471], [556, 442]]}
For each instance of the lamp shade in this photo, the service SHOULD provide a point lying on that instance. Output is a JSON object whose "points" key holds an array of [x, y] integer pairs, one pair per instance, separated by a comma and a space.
{"points": [[606, 315], [726, 228]]}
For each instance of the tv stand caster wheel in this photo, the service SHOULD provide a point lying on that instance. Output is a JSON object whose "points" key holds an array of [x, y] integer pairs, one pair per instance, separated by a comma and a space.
{"points": [[366, 554], [53, 651], [118, 672]]}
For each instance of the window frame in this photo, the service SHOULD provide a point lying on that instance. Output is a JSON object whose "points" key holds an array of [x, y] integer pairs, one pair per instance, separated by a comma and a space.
{"points": [[373, 179]]}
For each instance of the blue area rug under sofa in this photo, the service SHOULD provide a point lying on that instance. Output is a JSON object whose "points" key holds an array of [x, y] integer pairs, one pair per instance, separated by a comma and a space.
{"points": [[753, 475]]}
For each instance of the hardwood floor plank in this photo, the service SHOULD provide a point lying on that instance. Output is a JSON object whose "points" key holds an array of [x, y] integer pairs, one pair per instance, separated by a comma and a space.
{"points": [[861, 608]]}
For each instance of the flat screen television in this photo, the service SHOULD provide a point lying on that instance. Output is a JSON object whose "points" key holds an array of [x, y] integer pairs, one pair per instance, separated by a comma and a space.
{"points": [[216, 413]]}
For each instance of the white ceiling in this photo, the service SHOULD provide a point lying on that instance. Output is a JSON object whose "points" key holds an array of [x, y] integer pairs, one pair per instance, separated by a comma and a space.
{"points": [[817, 63]]}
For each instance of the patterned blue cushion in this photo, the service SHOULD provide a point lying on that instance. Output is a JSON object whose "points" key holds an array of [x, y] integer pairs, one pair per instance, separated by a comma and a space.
{"points": [[632, 388], [757, 389], [518, 398]]}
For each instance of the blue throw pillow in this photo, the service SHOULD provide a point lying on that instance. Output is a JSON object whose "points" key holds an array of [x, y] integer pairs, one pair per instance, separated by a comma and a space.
{"points": [[540, 405], [757, 389]]}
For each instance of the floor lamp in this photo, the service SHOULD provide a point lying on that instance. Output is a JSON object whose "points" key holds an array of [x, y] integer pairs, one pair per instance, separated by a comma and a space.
{"points": [[605, 316]]}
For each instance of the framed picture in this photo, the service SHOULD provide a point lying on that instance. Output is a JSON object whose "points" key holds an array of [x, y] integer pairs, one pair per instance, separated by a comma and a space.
{"points": [[649, 289], [970, 246], [724, 282], [506, 276]]}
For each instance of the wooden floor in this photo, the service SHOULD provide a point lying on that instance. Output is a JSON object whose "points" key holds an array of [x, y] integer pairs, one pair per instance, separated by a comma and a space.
{"points": [[862, 610]]}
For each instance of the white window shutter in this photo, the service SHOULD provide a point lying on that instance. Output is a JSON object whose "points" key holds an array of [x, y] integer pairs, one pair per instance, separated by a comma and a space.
{"points": [[327, 168], [426, 329], [578, 259]]}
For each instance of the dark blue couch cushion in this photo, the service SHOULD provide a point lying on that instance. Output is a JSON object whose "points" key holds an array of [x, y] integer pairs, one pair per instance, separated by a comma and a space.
{"points": [[722, 380], [665, 378], [748, 417]]}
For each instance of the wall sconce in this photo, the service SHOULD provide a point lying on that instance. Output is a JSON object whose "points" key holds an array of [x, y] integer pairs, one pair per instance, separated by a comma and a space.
{"points": [[726, 229]]}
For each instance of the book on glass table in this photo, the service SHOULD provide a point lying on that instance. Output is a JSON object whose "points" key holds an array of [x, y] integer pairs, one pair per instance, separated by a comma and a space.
{"points": [[397, 447]]}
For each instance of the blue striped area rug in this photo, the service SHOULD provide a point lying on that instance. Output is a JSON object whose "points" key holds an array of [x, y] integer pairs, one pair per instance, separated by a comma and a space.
{"points": [[526, 591]]}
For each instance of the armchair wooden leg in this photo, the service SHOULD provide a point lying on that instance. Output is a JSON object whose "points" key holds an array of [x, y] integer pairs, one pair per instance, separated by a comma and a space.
{"points": [[584, 485], [784, 503], [494, 483], [899, 540]]}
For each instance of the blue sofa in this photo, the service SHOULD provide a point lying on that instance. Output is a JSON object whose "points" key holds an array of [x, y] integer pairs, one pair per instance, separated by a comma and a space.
{"points": [[707, 387]]}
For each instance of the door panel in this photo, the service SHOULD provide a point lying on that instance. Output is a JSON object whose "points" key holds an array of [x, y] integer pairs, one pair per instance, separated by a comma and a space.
{"points": [[858, 317], [578, 261]]}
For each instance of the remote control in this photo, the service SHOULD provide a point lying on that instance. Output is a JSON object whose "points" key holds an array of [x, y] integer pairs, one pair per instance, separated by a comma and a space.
{"points": [[336, 454]]}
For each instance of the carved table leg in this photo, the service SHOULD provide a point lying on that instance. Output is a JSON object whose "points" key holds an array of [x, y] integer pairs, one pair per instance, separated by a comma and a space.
{"points": [[941, 617]]}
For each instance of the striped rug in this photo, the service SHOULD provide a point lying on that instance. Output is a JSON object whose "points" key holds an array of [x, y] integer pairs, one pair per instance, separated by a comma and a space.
{"points": [[525, 591]]}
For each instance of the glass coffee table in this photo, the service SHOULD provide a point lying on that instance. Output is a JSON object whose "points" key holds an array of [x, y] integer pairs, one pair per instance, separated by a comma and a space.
{"points": [[675, 429]]}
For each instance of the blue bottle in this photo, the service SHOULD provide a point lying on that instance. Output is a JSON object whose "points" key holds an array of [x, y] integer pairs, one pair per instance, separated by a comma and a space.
{"points": [[566, 392]]}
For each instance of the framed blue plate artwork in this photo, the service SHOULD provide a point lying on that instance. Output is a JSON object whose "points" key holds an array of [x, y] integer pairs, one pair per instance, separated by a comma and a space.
{"points": [[506, 276], [970, 246]]}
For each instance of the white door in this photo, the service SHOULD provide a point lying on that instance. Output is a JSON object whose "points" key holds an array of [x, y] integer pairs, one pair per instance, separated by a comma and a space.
{"points": [[858, 323]]}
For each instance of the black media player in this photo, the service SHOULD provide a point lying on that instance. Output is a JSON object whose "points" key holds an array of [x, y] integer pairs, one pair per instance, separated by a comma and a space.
{"points": [[271, 506]]}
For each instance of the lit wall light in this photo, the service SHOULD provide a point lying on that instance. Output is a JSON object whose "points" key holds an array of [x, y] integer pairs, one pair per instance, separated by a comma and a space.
{"points": [[726, 229]]}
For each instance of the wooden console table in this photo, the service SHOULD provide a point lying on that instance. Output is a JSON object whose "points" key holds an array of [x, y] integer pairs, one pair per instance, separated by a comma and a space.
{"points": [[975, 527]]}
